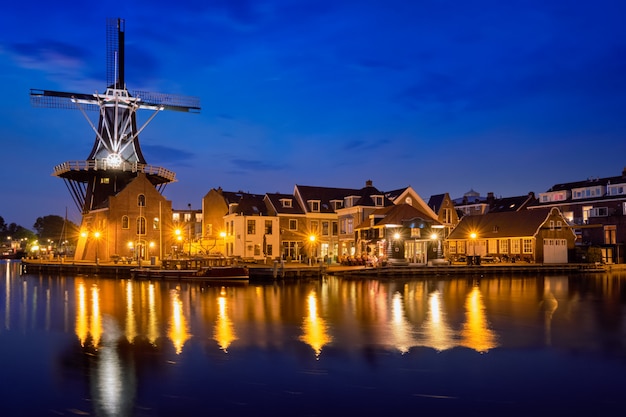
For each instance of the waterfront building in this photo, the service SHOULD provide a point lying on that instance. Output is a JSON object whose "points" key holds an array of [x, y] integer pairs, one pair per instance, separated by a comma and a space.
{"points": [[400, 233], [292, 227], [596, 210], [536, 236]]}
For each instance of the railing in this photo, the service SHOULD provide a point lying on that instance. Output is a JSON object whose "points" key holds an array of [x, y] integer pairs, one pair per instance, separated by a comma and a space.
{"points": [[102, 165]]}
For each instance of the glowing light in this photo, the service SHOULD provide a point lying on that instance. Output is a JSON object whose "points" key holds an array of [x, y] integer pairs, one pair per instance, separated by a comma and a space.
{"points": [[224, 333], [314, 327], [81, 313], [476, 333], [178, 332]]}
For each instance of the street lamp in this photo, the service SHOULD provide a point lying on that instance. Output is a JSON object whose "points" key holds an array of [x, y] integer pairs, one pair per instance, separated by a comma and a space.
{"points": [[312, 243], [97, 236], [223, 236], [473, 237]]}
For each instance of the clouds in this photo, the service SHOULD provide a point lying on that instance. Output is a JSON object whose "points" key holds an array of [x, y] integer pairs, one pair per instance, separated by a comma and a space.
{"points": [[323, 91]]}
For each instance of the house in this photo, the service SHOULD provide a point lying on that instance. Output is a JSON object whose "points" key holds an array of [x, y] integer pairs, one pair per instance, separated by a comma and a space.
{"points": [[251, 232], [596, 210], [291, 224], [400, 233], [135, 223], [540, 236], [356, 208]]}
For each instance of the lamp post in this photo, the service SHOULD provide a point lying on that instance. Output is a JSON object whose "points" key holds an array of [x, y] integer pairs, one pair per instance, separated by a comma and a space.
{"points": [[189, 228], [97, 236], [312, 243], [223, 236], [473, 237]]}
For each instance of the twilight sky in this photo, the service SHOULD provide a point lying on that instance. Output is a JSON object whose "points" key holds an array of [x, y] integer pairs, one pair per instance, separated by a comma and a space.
{"points": [[445, 96]]}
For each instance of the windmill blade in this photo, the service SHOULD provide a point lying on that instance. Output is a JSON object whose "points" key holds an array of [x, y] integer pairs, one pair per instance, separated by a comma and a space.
{"points": [[62, 100], [115, 53], [174, 102]]}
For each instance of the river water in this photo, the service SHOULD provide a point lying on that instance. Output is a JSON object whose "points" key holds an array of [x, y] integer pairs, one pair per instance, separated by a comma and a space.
{"points": [[507, 346]]}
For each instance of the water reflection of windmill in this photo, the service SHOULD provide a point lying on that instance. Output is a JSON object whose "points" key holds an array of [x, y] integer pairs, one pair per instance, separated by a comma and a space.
{"points": [[116, 158]]}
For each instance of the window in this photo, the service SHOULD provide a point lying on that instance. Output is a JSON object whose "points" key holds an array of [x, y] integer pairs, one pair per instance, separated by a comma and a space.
{"points": [[293, 224], [336, 228], [325, 228], [155, 223], [515, 246], [527, 246], [452, 246], [269, 250], [504, 246], [409, 201], [315, 206], [286, 202], [569, 216], [350, 225], [141, 225], [599, 212], [492, 245], [104, 180], [559, 225], [610, 233], [125, 222], [416, 232], [268, 227], [251, 227], [551, 224], [378, 200], [176, 217], [141, 200], [315, 226]]}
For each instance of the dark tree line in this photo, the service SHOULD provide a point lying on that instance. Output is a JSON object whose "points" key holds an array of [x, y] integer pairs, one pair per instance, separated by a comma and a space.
{"points": [[51, 227]]}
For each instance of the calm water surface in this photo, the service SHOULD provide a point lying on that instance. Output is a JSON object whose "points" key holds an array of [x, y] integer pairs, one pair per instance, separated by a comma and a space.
{"points": [[514, 346]]}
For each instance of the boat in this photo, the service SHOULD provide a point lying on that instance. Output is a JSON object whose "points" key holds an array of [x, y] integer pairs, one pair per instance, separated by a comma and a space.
{"points": [[220, 273]]}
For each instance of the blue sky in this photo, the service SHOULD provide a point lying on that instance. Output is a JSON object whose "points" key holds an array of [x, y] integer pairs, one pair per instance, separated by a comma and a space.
{"points": [[444, 96]]}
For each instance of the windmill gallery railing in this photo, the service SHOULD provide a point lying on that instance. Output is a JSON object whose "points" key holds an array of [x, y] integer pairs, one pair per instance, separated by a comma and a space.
{"points": [[103, 165]]}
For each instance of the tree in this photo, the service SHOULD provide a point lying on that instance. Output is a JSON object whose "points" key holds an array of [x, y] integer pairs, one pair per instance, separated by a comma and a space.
{"points": [[55, 228]]}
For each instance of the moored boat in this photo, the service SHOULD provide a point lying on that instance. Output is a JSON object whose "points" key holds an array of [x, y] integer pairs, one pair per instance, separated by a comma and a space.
{"points": [[204, 273]]}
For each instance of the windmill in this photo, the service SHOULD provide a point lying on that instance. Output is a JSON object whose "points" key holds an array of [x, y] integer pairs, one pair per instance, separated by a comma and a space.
{"points": [[116, 158]]}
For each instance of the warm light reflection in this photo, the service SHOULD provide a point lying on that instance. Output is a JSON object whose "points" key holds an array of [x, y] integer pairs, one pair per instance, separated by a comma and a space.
{"points": [[476, 333], [400, 328], [111, 396], [81, 313], [437, 333], [314, 328], [224, 333], [153, 322], [131, 327], [96, 316], [179, 331], [88, 324]]}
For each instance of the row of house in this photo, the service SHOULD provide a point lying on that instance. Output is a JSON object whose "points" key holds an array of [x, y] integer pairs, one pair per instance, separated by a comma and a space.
{"points": [[367, 224]]}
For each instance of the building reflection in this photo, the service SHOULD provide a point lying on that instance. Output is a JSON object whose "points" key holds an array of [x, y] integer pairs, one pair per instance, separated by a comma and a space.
{"points": [[178, 329], [436, 331], [314, 327], [224, 333], [475, 333]]}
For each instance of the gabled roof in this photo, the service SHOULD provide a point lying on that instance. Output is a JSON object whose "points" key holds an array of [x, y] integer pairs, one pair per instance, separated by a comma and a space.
{"points": [[366, 194], [501, 225], [399, 214], [435, 202], [322, 194], [275, 201], [252, 205]]}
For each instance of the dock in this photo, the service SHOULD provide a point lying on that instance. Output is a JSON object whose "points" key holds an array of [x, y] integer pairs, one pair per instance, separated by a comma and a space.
{"points": [[296, 270]]}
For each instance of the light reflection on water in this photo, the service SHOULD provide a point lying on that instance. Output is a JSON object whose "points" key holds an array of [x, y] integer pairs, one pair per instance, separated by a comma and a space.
{"points": [[147, 345]]}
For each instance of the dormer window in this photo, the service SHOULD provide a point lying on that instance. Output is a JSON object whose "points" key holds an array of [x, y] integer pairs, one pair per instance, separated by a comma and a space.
{"points": [[314, 206], [286, 202], [337, 204], [378, 200]]}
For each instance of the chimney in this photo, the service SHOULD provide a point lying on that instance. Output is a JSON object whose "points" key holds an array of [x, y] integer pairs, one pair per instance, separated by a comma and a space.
{"points": [[368, 183], [624, 173]]}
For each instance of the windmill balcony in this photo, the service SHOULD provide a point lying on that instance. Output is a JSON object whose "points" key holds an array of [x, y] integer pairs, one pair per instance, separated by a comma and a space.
{"points": [[102, 165]]}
